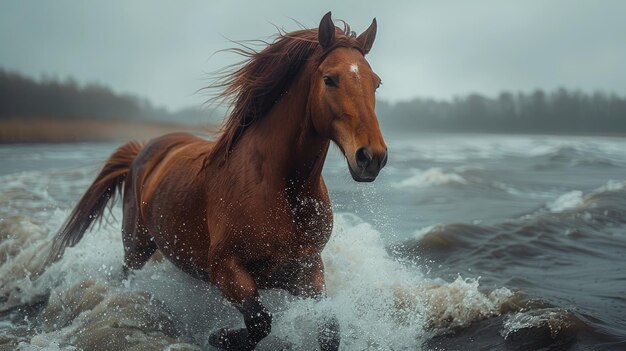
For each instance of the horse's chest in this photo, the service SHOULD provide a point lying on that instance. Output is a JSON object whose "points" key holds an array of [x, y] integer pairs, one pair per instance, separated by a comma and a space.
{"points": [[298, 238], [313, 222]]}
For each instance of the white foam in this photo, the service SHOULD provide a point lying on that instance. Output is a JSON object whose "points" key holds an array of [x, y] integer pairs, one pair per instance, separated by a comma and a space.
{"points": [[612, 185], [555, 319], [565, 202], [422, 232], [377, 300], [459, 303], [430, 177]]}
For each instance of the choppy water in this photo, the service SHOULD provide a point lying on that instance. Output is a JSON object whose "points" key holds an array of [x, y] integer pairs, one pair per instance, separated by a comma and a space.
{"points": [[464, 242]]}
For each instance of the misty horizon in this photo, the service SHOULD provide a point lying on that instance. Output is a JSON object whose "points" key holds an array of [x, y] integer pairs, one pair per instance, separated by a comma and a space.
{"points": [[436, 50], [208, 104], [538, 111]]}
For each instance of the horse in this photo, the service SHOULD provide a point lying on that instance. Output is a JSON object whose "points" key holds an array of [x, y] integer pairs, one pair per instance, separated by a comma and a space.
{"points": [[250, 210]]}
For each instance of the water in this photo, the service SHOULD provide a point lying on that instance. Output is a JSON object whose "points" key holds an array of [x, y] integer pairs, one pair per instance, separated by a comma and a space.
{"points": [[491, 242]]}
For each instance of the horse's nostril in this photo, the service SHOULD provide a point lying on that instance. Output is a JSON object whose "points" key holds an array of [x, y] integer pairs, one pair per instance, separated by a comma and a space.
{"points": [[363, 157]]}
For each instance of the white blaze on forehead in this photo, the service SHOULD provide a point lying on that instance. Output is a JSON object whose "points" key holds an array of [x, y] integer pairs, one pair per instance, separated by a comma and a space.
{"points": [[354, 68]]}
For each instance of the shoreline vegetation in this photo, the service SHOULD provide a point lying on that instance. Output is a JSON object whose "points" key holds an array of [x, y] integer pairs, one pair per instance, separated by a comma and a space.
{"points": [[88, 130], [562, 111], [51, 110]]}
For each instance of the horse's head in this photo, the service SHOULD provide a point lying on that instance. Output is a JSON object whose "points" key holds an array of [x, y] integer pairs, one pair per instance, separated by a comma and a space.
{"points": [[342, 100]]}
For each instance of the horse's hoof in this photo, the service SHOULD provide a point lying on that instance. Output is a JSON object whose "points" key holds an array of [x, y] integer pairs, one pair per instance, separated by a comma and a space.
{"points": [[231, 340]]}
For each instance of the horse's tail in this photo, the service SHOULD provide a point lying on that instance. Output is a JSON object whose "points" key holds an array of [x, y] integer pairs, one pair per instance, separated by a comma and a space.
{"points": [[92, 205]]}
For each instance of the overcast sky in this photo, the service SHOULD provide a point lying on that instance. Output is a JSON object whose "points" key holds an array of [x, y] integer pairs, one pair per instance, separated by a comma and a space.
{"points": [[163, 49]]}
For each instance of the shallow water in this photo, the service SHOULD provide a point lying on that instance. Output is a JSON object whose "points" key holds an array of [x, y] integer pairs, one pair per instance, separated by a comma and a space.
{"points": [[464, 242]]}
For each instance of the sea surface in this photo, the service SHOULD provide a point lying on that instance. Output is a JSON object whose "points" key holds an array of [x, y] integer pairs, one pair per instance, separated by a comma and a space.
{"points": [[464, 242]]}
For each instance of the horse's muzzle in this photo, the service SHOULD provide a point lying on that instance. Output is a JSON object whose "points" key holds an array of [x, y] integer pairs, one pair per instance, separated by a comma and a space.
{"points": [[368, 164]]}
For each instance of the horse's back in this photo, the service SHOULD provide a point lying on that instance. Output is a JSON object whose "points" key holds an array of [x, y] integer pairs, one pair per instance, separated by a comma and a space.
{"points": [[171, 160], [157, 149]]}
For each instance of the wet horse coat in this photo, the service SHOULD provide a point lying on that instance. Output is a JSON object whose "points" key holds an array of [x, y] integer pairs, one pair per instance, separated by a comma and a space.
{"points": [[251, 210]]}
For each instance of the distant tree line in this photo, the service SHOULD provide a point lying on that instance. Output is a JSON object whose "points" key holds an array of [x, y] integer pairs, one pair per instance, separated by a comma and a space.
{"points": [[23, 98], [560, 111]]}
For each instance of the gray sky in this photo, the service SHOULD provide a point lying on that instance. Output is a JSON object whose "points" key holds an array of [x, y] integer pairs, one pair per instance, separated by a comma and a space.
{"points": [[163, 49]]}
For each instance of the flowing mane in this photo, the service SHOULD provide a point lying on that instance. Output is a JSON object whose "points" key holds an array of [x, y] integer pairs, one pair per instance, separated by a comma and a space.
{"points": [[254, 86]]}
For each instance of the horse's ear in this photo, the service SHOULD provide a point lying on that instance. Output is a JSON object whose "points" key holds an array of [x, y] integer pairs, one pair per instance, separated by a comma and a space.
{"points": [[326, 31], [366, 39]]}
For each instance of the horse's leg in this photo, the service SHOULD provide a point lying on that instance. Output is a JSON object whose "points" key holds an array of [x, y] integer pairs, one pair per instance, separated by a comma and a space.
{"points": [[138, 244], [311, 284], [239, 287], [138, 248]]}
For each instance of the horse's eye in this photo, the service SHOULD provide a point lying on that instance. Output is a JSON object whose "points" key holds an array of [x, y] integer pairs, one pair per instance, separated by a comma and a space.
{"points": [[329, 81]]}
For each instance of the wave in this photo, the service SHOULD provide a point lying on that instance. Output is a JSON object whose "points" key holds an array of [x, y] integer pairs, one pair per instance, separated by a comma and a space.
{"points": [[556, 321], [548, 253], [537, 328], [430, 177], [570, 212], [81, 301], [571, 150], [382, 302], [568, 201], [605, 205], [584, 155], [463, 176], [378, 300]]}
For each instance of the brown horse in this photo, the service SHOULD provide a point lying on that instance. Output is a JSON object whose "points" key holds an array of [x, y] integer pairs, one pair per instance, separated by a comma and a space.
{"points": [[251, 210]]}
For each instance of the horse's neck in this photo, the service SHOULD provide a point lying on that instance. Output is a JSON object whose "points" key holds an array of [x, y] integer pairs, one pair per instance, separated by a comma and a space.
{"points": [[290, 142]]}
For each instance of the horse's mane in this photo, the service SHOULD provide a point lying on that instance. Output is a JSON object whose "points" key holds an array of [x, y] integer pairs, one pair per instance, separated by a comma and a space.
{"points": [[253, 86]]}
